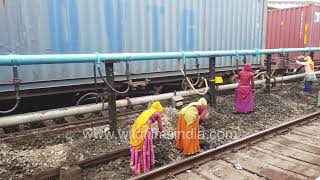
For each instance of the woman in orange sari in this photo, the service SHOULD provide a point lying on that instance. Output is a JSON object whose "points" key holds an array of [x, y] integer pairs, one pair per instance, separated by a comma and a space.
{"points": [[142, 153], [187, 135]]}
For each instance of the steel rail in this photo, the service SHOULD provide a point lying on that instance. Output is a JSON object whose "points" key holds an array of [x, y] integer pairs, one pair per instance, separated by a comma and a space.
{"points": [[109, 156], [104, 158]]}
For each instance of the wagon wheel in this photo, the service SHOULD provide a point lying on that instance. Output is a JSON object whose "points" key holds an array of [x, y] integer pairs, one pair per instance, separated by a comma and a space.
{"points": [[86, 99]]}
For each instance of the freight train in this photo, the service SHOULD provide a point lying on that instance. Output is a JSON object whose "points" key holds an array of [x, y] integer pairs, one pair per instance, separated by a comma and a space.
{"points": [[120, 26], [128, 26]]}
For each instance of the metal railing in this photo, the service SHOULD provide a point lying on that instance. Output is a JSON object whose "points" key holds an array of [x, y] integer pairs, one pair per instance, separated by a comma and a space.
{"points": [[14, 60]]}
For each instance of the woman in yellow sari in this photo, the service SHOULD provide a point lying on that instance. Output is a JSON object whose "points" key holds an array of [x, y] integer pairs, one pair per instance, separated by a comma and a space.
{"points": [[142, 153], [187, 135]]}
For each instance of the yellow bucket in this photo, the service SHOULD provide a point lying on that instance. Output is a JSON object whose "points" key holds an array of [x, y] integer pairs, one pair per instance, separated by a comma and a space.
{"points": [[218, 80]]}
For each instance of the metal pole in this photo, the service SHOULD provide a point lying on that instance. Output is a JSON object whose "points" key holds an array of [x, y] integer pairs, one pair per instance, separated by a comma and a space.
{"points": [[312, 55], [212, 82], [237, 62], [95, 77], [111, 98], [268, 83], [286, 56], [244, 60]]}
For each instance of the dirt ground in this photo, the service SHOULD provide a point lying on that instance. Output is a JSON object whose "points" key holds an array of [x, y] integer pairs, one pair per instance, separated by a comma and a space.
{"points": [[20, 160]]}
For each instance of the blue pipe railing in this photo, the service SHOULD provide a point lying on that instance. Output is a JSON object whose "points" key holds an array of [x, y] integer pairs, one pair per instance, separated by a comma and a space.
{"points": [[13, 60]]}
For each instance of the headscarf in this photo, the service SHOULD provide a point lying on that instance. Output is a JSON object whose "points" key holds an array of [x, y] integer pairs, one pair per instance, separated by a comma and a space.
{"points": [[247, 67], [310, 62], [140, 127], [202, 102], [190, 112]]}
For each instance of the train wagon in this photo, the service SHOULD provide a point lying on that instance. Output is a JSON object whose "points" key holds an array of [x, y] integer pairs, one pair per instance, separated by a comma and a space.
{"points": [[120, 26], [296, 27]]}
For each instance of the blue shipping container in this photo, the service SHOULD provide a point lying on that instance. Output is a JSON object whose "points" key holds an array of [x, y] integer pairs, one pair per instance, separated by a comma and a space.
{"points": [[113, 26]]}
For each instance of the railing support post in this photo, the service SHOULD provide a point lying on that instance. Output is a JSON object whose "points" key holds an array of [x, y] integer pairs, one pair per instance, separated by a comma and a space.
{"points": [[312, 55], [212, 82], [111, 98], [268, 78], [286, 57]]}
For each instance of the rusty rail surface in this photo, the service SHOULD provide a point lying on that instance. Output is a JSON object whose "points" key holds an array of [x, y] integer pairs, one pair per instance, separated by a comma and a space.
{"points": [[104, 158], [53, 130]]}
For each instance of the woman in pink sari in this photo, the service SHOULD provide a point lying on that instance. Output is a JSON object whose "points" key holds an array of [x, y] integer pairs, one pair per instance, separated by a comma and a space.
{"points": [[245, 90], [142, 153]]}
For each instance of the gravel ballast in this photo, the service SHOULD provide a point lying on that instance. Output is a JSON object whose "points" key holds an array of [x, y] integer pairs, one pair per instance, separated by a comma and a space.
{"points": [[20, 160]]}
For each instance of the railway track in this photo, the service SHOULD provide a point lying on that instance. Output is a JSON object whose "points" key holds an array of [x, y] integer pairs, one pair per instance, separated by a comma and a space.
{"points": [[51, 129], [54, 173], [277, 149], [288, 151]]}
